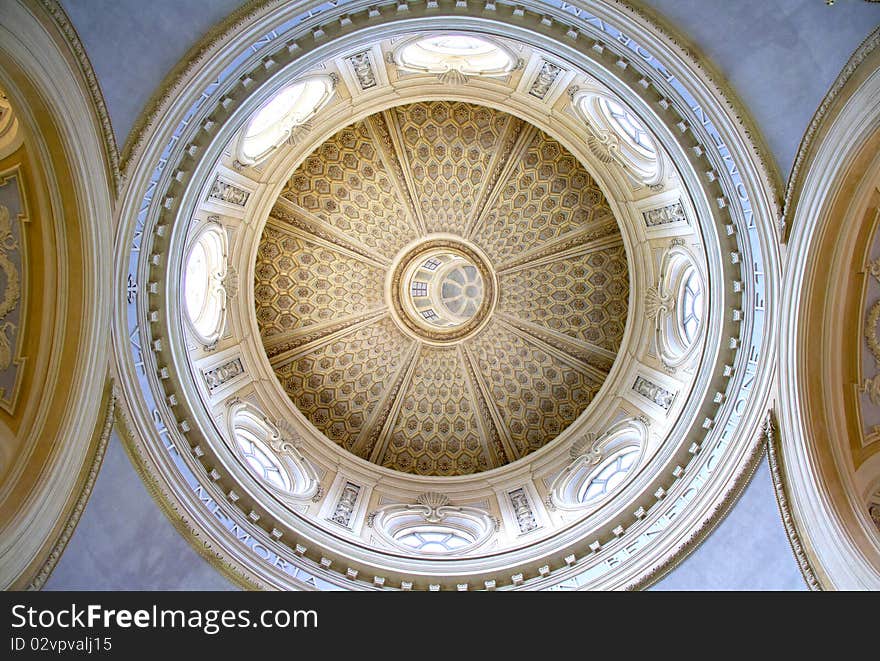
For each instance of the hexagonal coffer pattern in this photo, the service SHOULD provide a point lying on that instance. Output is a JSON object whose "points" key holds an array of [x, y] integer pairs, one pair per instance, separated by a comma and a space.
{"points": [[362, 200]]}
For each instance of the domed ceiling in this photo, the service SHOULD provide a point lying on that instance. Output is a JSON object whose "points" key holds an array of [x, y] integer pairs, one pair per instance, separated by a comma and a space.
{"points": [[453, 365], [441, 288]]}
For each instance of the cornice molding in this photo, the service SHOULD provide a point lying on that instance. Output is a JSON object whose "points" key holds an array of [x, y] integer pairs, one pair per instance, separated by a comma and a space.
{"points": [[811, 138], [777, 473], [190, 64], [819, 444], [727, 484], [85, 493], [62, 22], [204, 49], [229, 567], [711, 521], [76, 195]]}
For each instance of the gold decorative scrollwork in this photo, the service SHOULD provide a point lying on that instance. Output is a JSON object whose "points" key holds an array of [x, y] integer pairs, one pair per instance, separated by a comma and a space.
{"points": [[871, 386], [12, 292]]}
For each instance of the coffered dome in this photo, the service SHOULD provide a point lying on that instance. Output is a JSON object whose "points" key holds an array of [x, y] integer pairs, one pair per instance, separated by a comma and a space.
{"points": [[441, 288], [445, 305], [436, 295]]}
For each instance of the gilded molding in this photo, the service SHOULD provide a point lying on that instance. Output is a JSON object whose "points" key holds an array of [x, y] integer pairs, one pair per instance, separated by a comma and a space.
{"points": [[73, 519], [14, 264], [811, 138], [777, 472], [821, 447], [70, 180], [62, 22], [871, 385], [11, 133]]}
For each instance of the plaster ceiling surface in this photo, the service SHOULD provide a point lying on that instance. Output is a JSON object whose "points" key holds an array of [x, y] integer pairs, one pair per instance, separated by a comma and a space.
{"points": [[420, 316], [441, 340], [810, 44], [358, 271], [480, 178]]}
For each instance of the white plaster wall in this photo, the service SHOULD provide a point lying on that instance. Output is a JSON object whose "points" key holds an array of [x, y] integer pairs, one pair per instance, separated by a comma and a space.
{"points": [[124, 542], [133, 45], [780, 57], [747, 551]]}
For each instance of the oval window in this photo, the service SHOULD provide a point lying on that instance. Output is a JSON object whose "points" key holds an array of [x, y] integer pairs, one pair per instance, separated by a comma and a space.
{"points": [[292, 106], [608, 475], [204, 296], [469, 55], [629, 127], [261, 460], [433, 539], [691, 308]]}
